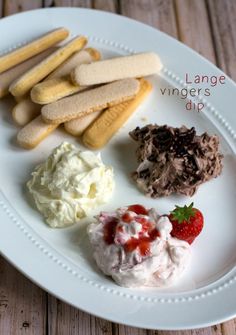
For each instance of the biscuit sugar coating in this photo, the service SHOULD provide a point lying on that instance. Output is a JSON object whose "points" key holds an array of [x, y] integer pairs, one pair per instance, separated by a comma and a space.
{"points": [[31, 49], [23, 85], [90, 101], [25, 111], [105, 126], [58, 85], [7, 77], [105, 71], [34, 132], [76, 127]]}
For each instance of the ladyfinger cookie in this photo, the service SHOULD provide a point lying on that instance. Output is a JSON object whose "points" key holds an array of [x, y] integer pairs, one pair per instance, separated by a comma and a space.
{"points": [[108, 123], [34, 132], [76, 127], [23, 84], [25, 111], [31, 49], [7, 77], [108, 70], [81, 57], [59, 85], [53, 89], [22, 97], [90, 101]]}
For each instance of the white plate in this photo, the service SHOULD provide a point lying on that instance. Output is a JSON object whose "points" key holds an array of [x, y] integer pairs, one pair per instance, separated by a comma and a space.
{"points": [[60, 260]]}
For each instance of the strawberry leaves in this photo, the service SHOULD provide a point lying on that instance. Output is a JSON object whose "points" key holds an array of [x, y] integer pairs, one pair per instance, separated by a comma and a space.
{"points": [[181, 214]]}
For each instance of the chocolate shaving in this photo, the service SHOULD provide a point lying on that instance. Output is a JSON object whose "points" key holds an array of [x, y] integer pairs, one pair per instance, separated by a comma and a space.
{"points": [[174, 160]]}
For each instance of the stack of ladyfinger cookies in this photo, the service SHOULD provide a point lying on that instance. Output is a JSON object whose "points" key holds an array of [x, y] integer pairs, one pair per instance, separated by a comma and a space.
{"points": [[70, 84]]}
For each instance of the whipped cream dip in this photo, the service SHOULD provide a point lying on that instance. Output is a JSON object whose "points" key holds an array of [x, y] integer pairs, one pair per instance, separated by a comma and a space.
{"points": [[69, 184]]}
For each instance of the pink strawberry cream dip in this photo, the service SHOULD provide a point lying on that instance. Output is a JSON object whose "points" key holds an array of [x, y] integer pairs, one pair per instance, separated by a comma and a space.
{"points": [[133, 245]]}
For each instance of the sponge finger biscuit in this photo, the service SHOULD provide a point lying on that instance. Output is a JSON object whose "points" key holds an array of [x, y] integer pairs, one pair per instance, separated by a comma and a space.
{"points": [[76, 127], [81, 57], [34, 132], [104, 71], [90, 101], [25, 111], [23, 84], [7, 77], [31, 49], [107, 124], [55, 88]]}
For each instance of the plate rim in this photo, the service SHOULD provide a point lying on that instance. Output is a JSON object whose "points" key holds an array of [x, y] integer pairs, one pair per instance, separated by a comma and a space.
{"points": [[4, 212]]}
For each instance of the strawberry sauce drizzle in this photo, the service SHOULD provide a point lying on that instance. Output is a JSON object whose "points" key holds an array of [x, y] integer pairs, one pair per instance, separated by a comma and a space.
{"points": [[138, 209], [143, 242]]}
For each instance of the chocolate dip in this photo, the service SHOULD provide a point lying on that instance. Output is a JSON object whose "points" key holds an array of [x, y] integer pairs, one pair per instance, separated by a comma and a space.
{"points": [[174, 160]]}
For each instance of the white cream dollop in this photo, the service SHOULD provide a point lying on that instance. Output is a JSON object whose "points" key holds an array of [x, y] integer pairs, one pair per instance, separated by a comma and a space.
{"points": [[69, 184]]}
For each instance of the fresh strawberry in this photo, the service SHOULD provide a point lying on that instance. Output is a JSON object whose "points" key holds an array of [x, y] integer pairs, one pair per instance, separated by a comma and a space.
{"points": [[187, 222]]}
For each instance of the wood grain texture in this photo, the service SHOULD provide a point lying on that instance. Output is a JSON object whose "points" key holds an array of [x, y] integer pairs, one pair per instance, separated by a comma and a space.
{"points": [[228, 327], [22, 304], [1, 8], [108, 6], [157, 13], [48, 3], [16, 6], [222, 14], [64, 319], [189, 14], [68, 3], [125, 330], [215, 330]]}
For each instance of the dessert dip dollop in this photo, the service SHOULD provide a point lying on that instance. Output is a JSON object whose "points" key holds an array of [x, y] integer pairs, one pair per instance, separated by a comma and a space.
{"points": [[69, 184], [174, 160], [134, 246]]}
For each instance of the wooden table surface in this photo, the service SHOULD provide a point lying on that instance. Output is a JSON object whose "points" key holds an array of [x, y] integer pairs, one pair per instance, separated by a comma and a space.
{"points": [[209, 27]]}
